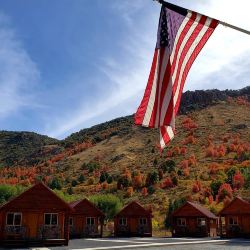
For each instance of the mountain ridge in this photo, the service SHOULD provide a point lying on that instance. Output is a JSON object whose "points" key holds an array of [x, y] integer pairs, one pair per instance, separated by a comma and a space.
{"points": [[30, 148]]}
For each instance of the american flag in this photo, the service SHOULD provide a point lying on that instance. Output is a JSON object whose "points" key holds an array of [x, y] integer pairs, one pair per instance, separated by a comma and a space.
{"points": [[181, 36]]}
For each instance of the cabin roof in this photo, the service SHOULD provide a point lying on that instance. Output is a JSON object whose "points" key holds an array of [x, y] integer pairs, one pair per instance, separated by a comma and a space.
{"points": [[236, 206], [200, 209], [134, 209], [85, 207], [39, 196]]}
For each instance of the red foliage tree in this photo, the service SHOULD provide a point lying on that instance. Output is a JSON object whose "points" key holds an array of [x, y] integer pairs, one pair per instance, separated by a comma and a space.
{"points": [[167, 183], [196, 187], [238, 180], [144, 191], [225, 191]]}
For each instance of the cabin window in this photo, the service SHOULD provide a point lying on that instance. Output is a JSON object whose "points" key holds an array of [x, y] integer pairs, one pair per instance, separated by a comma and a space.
{"points": [[233, 220], [143, 221], [90, 221], [181, 222], [123, 221], [51, 219], [70, 221], [14, 219], [201, 221]]}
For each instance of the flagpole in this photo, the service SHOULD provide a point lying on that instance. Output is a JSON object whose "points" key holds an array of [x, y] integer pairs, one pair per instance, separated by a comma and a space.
{"points": [[220, 22]]}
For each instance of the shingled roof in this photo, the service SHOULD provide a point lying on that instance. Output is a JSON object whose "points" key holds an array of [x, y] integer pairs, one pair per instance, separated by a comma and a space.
{"points": [[38, 196], [134, 209], [236, 206], [85, 207], [198, 210]]}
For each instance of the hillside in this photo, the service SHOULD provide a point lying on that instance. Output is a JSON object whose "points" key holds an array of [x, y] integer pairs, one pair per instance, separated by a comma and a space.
{"points": [[208, 160], [22, 147]]}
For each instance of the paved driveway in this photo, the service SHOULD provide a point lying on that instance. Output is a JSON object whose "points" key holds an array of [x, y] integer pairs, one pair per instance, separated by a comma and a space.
{"points": [[152, 244]]}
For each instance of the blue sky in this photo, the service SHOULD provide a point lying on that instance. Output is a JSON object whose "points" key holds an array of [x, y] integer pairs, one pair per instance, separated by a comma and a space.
{"points": [[70, 64]]}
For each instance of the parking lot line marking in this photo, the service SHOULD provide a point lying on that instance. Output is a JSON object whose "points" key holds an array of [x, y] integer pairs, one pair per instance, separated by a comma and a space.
{"points": [[156, 244], [114, 240], [39, 248]]}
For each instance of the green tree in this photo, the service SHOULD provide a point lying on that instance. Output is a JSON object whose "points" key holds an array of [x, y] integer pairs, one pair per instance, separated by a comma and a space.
{"points": [[168, 166], [74, 183], [109, 204], [70, 190], [151, 189], [103, 177], [230, 174], [109, 179], [55, 183], [152, 178], [81, 178], [173, 205], [9, 191], [215, 185]]}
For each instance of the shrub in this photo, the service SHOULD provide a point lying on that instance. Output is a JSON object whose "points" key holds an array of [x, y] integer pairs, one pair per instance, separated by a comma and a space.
{"points": [[81, 178], [109, 179], [151, 189], [144, 191], [129, 192], [168, 166], [152, 178], [167, 183], [196, 187], [74, 183], [103, 177], [55, 183]]}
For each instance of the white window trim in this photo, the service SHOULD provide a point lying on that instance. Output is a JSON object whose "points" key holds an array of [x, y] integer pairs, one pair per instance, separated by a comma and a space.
{"points": [[14, 213], [141, 219], [123, 219], [51, 219], [234, 224], [90, 220], [199, 222], [181, 219]]}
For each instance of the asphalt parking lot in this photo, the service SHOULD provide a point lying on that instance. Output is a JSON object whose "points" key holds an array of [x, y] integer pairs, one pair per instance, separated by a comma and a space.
{"points": [[151, 243]]}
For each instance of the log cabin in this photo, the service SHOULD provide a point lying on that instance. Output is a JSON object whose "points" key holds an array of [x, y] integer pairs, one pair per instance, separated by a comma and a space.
{"points": [[133, 220], [35, 217], [193, 220], [235, 219], [86, 220]]}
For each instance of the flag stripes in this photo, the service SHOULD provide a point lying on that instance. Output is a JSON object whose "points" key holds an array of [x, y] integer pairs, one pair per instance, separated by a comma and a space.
{"points": [[169, 71]]}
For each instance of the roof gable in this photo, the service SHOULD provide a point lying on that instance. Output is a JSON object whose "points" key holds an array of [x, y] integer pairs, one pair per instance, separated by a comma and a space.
{"points": [[38, 196], [190, 209], [134, 209], [85, 207], [236, 206]]}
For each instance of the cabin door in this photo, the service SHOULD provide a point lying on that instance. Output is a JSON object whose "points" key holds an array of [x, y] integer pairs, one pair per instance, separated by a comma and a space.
{"points": [[32, 221]]}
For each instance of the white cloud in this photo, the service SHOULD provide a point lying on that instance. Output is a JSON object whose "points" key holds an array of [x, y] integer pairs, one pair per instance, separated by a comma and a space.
{"points": [[224, 49], [18, 73], [128, 72]]}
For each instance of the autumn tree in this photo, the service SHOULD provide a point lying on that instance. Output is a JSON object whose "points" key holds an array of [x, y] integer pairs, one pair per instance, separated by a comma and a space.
{"points": [[144, 191], [238, 180], [225, 192]]}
